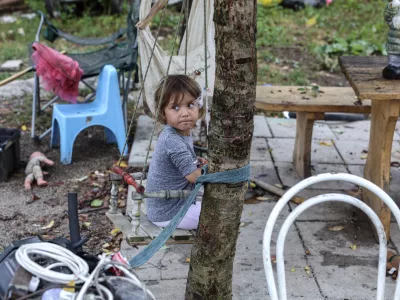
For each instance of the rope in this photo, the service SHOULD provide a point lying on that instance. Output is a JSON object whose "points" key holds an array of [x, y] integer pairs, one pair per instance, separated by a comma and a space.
{"points": [[162, 93], [141, 87], [186, 33], [230, 176]]}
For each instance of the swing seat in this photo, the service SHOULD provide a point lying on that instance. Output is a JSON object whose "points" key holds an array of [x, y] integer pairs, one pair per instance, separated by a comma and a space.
{"points": [[106, 110]]}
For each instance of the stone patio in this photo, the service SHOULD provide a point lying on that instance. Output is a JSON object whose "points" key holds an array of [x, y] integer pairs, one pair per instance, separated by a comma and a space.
{"points": [[337, 271]]}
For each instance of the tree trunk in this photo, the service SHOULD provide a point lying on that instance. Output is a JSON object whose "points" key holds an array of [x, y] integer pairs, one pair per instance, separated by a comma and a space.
{"points": [[231, 128]]}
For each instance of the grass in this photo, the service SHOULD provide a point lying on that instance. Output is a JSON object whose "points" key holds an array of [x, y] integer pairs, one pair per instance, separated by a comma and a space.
{"points": [[292, 46]]}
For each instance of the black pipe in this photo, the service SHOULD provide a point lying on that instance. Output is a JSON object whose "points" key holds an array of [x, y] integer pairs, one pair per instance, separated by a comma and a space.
{"points": [[74, 229], [338, 117]]}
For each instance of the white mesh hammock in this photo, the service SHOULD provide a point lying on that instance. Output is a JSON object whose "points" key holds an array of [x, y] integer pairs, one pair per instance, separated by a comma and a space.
{"points": [[195, 51]]}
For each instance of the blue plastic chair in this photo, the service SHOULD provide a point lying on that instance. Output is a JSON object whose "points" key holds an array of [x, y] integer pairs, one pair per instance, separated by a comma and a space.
{"points": [[70, 119]]}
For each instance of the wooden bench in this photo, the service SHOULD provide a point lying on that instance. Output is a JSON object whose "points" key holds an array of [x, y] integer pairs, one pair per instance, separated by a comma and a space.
{"points": [[309, 106]]}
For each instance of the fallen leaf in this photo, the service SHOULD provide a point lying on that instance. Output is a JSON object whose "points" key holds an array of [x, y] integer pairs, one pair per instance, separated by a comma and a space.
{"points": [[252, 185], [48, 226], [115, 231], [242, 224], [297, 200], [307, 269], [293, 270], [82, 178], [250, 213], [86, 224], [285, 124], [336, 228], [187, 260], [24, 128], [263, 198], [308, 252], [164, 248], [338, 131], [326, 143], [122, 164], [353, 247], [96, 203], [311, 22], [395, 164], [106, 245], [273, 259], [364, 155], [279, 185]]}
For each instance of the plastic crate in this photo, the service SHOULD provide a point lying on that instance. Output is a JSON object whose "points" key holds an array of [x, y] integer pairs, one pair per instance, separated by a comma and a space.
{"points": [[9, 152]]}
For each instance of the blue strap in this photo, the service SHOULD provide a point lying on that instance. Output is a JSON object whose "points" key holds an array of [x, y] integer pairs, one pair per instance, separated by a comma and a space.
{"points": [[231, 176]]}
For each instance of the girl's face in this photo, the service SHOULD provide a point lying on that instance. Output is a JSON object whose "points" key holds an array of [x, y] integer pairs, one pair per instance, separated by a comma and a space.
{"points": [[182, 113]]}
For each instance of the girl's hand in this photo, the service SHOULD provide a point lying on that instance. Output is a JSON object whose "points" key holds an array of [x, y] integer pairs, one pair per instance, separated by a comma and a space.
{"points": [[202, 162]]}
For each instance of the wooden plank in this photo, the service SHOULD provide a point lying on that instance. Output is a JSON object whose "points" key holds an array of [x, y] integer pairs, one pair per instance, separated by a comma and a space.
{"points": [[365, 76], [290, 98], [377, 168], [152, 230], [302, 145], [121, 222]]}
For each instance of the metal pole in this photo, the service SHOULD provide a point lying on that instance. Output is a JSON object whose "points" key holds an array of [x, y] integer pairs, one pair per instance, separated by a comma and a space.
{"points": [[74, 229]]}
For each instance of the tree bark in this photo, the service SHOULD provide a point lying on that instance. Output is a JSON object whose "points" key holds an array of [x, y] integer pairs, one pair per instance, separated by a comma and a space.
{"points": [[231, 129]]}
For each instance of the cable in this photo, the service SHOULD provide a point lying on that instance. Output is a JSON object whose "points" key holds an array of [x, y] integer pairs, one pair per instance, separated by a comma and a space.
{"points": [[78, 267]]}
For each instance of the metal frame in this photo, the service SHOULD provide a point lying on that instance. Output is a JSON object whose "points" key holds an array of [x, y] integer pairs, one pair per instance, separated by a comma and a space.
{"points": [[316, 200]]}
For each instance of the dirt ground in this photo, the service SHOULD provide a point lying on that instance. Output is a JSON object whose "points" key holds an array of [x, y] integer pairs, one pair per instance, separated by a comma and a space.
{"points": [[21, 218]]}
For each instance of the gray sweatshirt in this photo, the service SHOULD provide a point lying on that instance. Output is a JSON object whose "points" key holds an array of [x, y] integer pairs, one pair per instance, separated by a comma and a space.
{"points": [[172, 160]]}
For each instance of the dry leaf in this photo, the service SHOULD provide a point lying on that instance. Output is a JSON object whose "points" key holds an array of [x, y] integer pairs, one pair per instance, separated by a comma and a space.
{"points": [[115, 231], [252, 185], [297, 200], [242, 224], [82, 178], [308, 252], [336, 228], [106, 245], [86, 224], [293, 270], [353, 247], [279, 185], [187, 260], [326, 143], [48, 226], [311, 22], [263, 198], [307, 269], [24, 128], [285, 124], [364, 155]]}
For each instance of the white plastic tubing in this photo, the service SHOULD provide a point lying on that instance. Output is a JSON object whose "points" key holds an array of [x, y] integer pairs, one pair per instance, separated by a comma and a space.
{"points": [[316, 200]]}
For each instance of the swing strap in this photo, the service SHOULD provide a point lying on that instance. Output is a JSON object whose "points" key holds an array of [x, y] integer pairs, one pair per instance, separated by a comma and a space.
{"points": [[230, 176]]}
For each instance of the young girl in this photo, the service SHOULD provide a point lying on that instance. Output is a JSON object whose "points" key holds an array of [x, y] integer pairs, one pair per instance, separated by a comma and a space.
{"points": [[174, 165]]}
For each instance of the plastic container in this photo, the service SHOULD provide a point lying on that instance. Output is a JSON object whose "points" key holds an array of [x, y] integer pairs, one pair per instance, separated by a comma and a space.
{"points": [[9, 152]]}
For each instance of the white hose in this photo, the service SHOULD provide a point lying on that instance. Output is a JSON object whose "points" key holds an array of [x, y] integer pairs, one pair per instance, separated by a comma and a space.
{"points": [[62, 256]]}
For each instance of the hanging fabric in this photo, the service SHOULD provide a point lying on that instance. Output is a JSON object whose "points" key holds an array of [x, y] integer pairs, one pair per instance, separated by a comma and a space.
{"points": [[195, 52]]}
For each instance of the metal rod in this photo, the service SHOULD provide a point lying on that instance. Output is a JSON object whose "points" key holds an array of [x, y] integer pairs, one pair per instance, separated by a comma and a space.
{"points": [[88, 85], [50, 103], [35, 99], [45, 133], [74, 229]]}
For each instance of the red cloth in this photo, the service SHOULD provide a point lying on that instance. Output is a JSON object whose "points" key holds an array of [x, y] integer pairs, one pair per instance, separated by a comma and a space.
{"points": [[60, 73]]}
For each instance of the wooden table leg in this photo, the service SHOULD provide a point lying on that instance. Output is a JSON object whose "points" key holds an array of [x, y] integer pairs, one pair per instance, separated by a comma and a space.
{"points": [[377, 169], [302, 146]]}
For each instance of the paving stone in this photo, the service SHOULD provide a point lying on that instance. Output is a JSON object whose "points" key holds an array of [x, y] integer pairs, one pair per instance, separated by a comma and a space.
{"points": [[254, 287], [264, 171], [282, 151], [289, 177], [355, 279], [394, 234], [260, 150], [144, 128], [358, 130], [11, 65], [261, 128], [173, 264], [394, 172], [329, 211], [139, 151], [287, 128], [168, 289], [352, 151]]}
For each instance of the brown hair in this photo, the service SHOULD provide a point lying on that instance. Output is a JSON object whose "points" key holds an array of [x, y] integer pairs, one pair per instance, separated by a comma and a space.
{"points": [[173, 87]]}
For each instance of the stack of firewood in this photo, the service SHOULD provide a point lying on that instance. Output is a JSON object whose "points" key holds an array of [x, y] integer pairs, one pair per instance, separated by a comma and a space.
{"points": [[9, 6]]}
